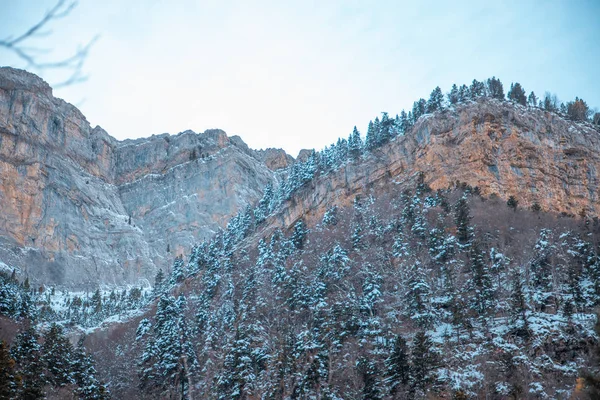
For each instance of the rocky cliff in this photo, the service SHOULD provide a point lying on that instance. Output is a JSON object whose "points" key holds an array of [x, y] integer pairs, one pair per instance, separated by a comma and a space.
{"points": [[502, 148], [81, 208]]}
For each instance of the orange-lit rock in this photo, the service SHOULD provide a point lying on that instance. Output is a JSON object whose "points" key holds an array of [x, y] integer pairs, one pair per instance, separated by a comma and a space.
{"points": [[504, 149]]}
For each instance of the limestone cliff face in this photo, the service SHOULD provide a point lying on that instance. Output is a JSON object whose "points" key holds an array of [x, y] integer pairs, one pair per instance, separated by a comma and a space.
{"points": [[80, 208], [502, 148]]}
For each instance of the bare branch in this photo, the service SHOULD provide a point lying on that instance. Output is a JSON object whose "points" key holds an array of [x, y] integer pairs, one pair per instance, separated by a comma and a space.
{"points": [[54, 13], [29, 54]]}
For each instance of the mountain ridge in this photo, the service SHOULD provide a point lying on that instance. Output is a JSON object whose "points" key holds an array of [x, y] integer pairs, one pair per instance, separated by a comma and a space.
{"points": [[69, 188], [536, 156], [151, 199]]}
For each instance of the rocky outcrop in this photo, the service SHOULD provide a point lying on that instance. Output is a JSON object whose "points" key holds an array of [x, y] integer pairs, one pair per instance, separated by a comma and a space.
{"points": [[502, 148], [80, 208], [274, 159]]}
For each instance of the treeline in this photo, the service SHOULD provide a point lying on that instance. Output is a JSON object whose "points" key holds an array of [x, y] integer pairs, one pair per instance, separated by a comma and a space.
{"points": [[91, 309]]}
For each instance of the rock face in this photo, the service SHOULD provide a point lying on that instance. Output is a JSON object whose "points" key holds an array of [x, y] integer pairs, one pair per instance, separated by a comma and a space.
{"points": [[274, 159], [80, 208], [502, 148]]}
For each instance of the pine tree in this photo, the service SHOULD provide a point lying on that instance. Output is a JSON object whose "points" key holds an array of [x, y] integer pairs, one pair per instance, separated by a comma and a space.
{"points": [[96, 302], [355, 143], [463, 94], [436, 100], [308, 168], [480, 283], [419, 109], [377, 132], [84, 374], [418, 296], [263, 208], [574, 277], [397, 128], [578, 110], [424, 361], [236, 376], [330, 217], [371, 139], [512, 202], [371, 287], [357, 236], [159, 280], [477, 89], [532, 99], [57, 357], [405, 123], [462, 218], [541, 268], [26, 352], [398, 366], [517, 94], [299, 235], [169, 359], [385, 129], [568, 310], [368, 371], [178, 271], [495, 88], [519, 306], [453, 95]]}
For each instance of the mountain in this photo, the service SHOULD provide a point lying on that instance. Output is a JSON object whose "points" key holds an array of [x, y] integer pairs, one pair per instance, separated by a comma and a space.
{"points": [[80, 208], [457, 259], [453, 253]]}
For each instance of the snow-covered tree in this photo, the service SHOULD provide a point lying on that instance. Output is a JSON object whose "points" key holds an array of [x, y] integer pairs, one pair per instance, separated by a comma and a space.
{"points": [[57, 357], [436, 100]]}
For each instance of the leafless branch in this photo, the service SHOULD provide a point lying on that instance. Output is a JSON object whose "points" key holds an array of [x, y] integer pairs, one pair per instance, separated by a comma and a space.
{"points": [[74, 64]]}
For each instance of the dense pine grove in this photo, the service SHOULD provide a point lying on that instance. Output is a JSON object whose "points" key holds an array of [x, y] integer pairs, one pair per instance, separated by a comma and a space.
{"points": [[414, 294], [34, 366]]}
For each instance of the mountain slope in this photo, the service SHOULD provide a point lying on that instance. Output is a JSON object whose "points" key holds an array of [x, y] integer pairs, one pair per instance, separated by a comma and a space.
{"points": [[398, 272], [490, 302]]}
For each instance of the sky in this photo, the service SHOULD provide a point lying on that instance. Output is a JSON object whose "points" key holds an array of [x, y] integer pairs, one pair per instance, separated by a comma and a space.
{"points": [[300, 74]]}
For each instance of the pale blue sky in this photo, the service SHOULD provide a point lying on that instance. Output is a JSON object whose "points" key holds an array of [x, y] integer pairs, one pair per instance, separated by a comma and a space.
{"points": [[301, 74]]}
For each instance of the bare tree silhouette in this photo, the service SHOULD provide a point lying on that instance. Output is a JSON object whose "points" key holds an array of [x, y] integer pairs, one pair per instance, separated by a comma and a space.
{"points": [[34, 56]]}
